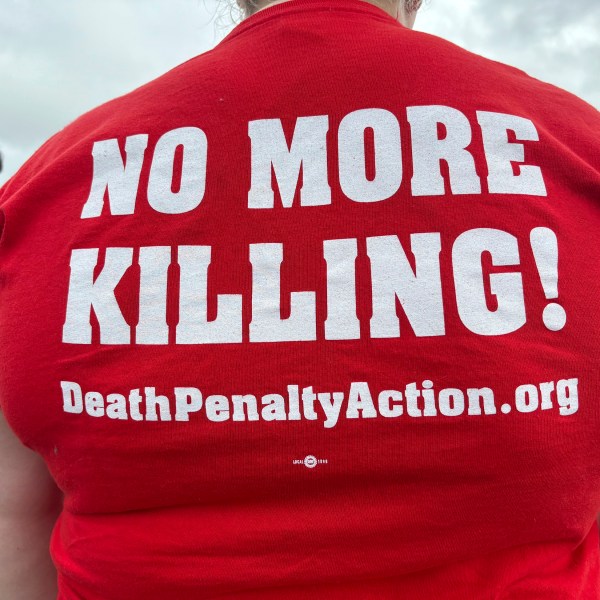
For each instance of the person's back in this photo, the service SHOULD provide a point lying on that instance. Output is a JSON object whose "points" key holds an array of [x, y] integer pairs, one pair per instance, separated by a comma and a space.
{"points": [[314, 315]]}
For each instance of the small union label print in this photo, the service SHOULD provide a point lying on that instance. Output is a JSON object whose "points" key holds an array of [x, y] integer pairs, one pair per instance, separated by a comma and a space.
{"points": [[310, 461]]}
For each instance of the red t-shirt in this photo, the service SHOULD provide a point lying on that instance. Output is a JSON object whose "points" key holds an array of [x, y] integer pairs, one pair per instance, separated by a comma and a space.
{"points": [[314, 315]]}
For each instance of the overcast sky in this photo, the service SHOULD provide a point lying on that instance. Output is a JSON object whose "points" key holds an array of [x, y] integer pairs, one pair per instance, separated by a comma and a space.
{"points": [[59, 58]]}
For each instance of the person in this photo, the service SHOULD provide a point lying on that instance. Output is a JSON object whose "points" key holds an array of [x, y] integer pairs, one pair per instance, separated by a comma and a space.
{"points": [[312, 315]]}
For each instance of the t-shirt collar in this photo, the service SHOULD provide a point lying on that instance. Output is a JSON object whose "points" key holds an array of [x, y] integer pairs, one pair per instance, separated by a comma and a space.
{"points": [[294, 6]]}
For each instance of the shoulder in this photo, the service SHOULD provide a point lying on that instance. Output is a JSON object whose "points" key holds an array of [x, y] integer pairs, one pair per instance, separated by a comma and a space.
{"points": [[492, 85], [141, 110]]}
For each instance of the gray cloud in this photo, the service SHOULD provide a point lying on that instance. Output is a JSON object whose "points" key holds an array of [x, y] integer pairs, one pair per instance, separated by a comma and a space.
{"points": [[59, 58]]}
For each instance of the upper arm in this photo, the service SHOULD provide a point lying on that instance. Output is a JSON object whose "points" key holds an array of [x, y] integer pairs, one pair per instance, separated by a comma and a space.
{"points": [[27, 487], [30, 503]]}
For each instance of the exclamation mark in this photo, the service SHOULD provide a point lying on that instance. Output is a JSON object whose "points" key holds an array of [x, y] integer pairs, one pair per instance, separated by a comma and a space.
{"points": [[545, 250]]}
